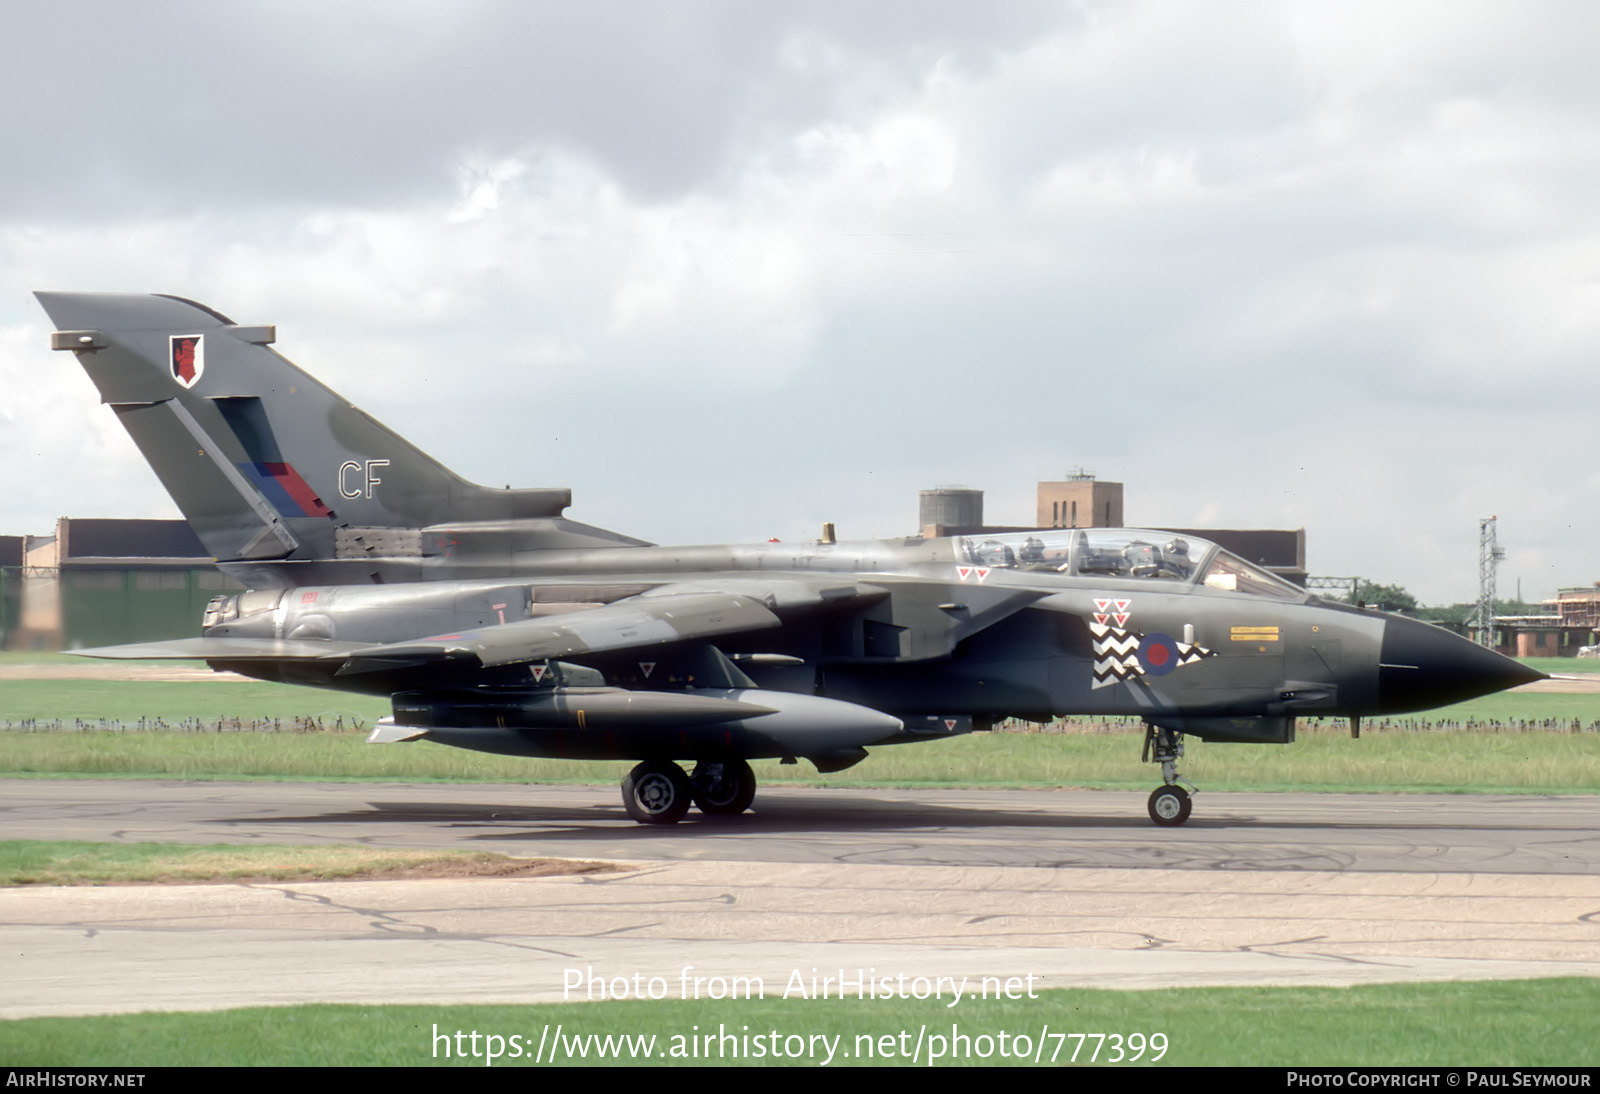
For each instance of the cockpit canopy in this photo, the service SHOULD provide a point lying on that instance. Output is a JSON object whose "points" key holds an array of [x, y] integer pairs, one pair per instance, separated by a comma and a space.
{"points": [[1131, 553]]}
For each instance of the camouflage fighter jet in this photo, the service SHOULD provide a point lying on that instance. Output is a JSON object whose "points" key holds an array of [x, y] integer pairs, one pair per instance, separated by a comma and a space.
{"points": [[494, 623]]}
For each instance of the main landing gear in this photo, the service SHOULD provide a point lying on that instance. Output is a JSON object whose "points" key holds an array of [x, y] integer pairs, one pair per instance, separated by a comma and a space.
{"points": [[1170, 804], [658, 792]]}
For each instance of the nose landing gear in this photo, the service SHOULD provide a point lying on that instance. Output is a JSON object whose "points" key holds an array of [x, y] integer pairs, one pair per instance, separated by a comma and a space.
{"points": [[1170, 804]]}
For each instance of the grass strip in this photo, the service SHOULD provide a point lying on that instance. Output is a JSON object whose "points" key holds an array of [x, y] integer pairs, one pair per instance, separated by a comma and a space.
{"points": [[71, 862], [131, 701], [1566, 666], [1326, 760], [1550, 1023], [180, 701]]}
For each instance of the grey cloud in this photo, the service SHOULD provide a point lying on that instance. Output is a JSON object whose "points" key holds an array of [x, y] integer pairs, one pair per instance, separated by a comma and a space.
{"points": [[133, 110]]}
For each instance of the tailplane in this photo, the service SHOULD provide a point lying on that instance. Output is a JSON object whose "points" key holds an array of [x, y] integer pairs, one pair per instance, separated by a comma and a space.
{"points": [[272, 469]]}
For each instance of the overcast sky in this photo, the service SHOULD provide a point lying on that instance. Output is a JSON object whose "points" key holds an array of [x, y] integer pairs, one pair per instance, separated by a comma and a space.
{"points": [[730, 270]]}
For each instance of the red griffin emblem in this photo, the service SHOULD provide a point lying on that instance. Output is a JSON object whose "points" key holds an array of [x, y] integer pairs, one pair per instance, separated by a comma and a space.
{"points": [[188, 358]]}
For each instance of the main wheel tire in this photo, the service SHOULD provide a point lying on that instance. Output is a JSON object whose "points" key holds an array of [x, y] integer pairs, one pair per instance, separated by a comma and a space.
{"points": [[1170, 805], [723, 788], [657, 792]]}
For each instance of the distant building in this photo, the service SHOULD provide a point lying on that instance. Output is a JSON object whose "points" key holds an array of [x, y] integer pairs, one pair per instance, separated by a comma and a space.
{"points": [[1579, 607], [950, 507], [1080, 501], [99, 582], [1571, 621], [11, 555], [1530, 636]]}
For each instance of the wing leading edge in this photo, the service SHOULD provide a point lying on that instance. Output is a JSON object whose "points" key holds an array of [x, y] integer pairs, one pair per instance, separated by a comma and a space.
{"points": [[634, 623], [627, 624]]}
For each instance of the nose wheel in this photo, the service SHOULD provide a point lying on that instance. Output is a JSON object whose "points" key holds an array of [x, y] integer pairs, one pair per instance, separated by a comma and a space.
{"points": [[1169, 805]]}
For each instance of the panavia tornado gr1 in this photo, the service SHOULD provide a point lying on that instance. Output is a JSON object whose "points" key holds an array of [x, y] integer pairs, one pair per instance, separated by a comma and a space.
{"points": [[494, 623]]}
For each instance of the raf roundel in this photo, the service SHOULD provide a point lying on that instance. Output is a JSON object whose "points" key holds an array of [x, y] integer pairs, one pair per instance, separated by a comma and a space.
{"points": [[1158, 654]]}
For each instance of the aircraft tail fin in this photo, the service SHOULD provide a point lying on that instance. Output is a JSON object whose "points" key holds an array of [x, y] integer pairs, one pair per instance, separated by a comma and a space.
{"points": [[264, 461]]}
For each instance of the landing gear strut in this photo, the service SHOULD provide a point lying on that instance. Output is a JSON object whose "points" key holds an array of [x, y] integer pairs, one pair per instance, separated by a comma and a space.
{"points": [[1169, 804]]}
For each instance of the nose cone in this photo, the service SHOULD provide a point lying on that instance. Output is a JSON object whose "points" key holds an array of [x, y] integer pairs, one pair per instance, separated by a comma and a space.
{"points": [[1422, 666]]}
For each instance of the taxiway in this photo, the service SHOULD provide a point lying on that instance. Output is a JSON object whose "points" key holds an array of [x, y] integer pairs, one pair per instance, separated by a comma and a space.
{"points": [[1073, 887]]}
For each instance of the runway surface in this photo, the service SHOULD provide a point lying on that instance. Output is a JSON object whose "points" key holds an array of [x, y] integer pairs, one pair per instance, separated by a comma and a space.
{"points": [[1072, 887]]}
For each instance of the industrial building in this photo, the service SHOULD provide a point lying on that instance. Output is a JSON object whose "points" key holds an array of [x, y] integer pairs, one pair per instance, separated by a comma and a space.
{"points": [[1569, 623], [98, 582]]}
